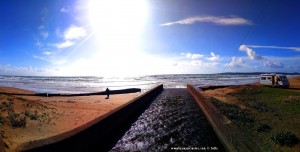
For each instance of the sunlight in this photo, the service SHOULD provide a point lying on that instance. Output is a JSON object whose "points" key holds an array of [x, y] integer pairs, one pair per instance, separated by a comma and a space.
{"points": [[117, 24]]}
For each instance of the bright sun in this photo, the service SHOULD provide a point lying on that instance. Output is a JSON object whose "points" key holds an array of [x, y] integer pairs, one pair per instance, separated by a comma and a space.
{"points": [[118, 24]]}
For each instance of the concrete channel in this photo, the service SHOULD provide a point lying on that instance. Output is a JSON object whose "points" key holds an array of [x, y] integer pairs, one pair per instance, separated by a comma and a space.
{"points": [[172, 122]]}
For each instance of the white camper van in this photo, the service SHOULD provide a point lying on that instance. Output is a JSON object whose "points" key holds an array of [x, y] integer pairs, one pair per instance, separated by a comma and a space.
{"points": [[274, 80]]}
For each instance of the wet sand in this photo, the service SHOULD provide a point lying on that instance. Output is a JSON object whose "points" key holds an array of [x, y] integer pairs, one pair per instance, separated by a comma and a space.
{"points": [[50, 116]]}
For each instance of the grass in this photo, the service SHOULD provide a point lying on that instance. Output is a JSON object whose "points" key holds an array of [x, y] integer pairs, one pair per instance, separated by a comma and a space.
{"points": [[269, 98], [274, 110], [233, 111]]}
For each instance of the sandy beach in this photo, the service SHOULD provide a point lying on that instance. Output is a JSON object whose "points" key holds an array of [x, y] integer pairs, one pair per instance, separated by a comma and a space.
{"points": [[49, 116]]}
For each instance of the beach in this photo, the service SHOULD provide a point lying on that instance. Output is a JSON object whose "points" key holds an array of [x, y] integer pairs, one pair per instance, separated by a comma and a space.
{"points": [[46, 117], [50, 116]]}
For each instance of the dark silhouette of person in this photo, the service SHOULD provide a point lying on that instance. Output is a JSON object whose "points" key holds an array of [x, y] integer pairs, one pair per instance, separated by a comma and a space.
{"points": [[107, 93]]}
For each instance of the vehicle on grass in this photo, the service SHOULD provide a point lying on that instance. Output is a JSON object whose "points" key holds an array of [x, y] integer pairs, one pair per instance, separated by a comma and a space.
{"points": [[274, 80]]}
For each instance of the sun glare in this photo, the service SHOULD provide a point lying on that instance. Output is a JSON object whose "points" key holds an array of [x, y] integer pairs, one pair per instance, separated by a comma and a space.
{"points": [[117, 24]]}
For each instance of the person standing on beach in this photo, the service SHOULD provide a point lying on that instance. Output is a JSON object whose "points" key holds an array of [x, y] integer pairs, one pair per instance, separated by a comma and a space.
{"points": [[107, 93]]}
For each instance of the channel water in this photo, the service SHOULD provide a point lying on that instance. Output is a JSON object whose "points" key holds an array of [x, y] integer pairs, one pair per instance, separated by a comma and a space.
{"points": [[172, 122]]}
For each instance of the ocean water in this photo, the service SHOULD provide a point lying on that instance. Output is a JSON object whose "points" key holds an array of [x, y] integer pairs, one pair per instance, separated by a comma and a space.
{"points": [[95, 84]]}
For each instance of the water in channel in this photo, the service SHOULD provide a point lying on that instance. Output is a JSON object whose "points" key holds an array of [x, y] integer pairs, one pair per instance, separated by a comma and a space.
{"points": [[172, 122]]}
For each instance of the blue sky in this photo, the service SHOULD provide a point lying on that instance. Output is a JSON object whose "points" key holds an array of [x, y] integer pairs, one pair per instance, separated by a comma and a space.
{"points": [[137, 37]]}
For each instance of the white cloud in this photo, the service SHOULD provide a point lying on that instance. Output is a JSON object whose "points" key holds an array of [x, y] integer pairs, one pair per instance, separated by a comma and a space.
{"points": [[47, 53], [64, 10], [236, 62], [26, 71], [197, 64], [74, 32], [64, 44], [192, 56], [213, 57], [50, 58], [275, 47], [251, 54], [44, 34], [273, 64], [44, 13], [212, 19], [41, 27]]}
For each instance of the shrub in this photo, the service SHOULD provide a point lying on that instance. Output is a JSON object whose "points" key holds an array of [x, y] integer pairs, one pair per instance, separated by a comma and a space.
{"points": [[16, 120], [30, 115], [1, 120], [285, 138], [4, 106], [261, 127]]}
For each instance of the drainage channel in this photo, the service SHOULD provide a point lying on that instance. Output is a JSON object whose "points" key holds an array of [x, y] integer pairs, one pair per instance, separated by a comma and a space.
{"points": [[172, 122]]}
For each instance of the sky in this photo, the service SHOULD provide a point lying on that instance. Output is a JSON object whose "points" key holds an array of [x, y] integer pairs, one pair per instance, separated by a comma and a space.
{"points": [[145, 37]]}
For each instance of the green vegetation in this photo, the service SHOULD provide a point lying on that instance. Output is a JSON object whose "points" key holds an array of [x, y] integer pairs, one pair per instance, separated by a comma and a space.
{"points": [[10, 99], [16, 120], [261, 113], [1, 120], [20, 119], [265, 99], [285, 138], [6, 106], [277, 108], [262, 127], [233, 111], [33, 116]]}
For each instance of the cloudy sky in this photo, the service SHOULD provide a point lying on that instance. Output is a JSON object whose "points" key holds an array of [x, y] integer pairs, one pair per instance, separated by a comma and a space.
{"points": [[137, 37]]}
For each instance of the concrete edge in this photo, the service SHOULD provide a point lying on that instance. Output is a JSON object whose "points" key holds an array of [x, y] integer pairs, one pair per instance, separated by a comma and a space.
{"points": [[227, 132], [147, 97]]}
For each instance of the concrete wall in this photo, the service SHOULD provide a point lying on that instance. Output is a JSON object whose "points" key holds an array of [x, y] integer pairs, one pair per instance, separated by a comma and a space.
{"points": [[229, 134], [101, 134]]}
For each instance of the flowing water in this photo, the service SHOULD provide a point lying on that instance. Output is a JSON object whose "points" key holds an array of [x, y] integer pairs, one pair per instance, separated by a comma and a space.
{"points": [[172, 122]]}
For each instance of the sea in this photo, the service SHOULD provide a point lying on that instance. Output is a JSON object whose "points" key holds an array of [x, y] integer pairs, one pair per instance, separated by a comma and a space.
{"points": [[44, 84]]}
